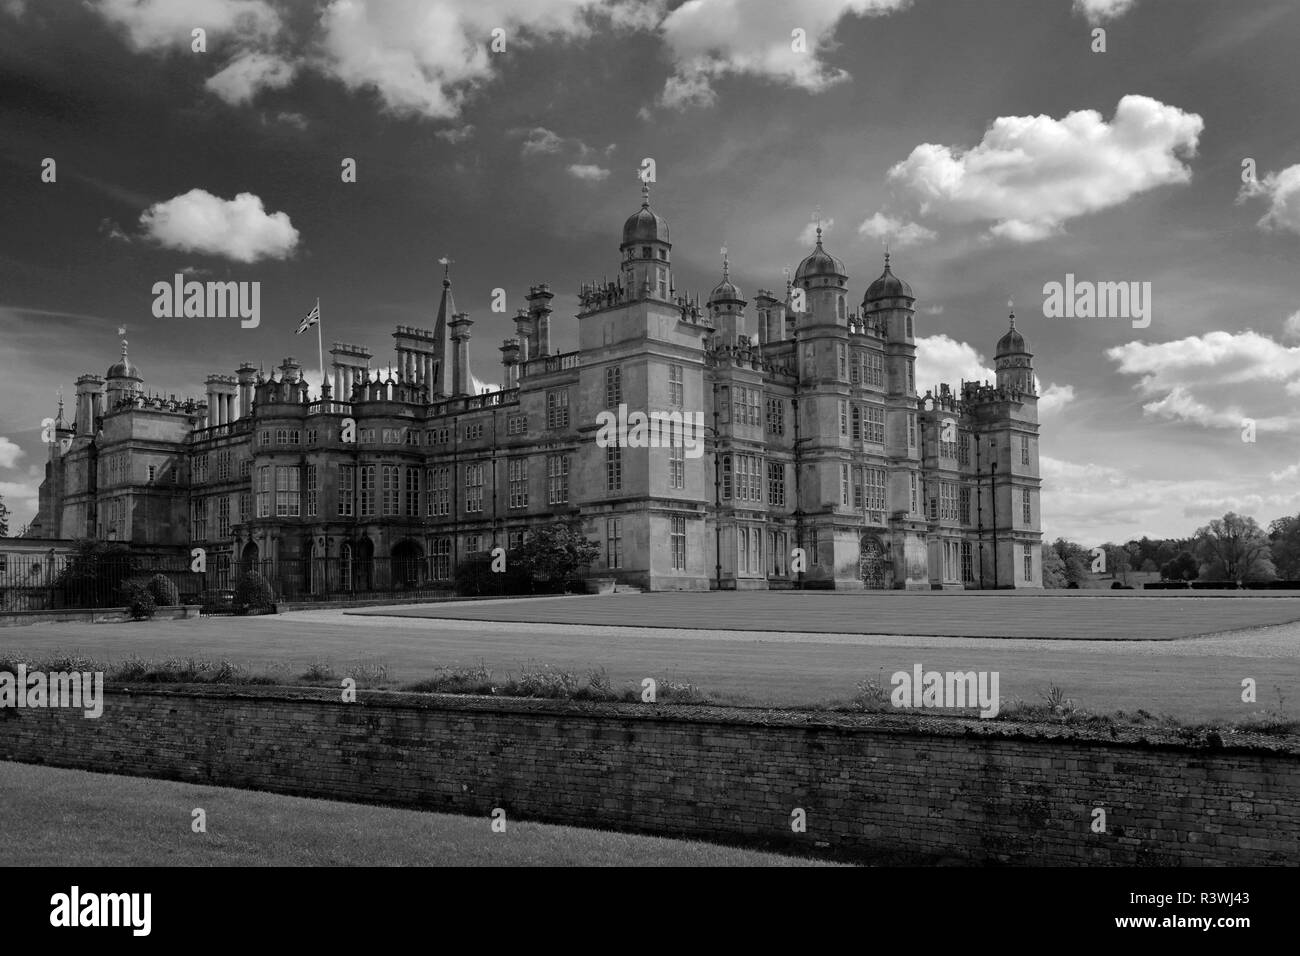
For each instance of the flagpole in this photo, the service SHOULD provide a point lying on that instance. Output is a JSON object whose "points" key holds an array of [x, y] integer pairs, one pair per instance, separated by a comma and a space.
{"points": [[320, 350]]}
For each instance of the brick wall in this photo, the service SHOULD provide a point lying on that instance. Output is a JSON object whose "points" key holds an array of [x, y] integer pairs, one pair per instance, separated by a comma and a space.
{"points": [[879, 786]]}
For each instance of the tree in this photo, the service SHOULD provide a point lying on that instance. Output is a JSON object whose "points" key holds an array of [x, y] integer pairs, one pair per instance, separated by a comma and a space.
{"points": [[1234, 548], [1117, 560], [557, 555], [1077, 560], [1284, 545], [4, 519], [1054, 575], [1181, 567]]}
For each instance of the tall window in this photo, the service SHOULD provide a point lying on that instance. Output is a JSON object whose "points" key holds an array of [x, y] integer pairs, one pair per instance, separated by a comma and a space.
{"points": [[613, 386], [963, 448], [412, 492], [948, 501], [1029, 563], [312, 491], [856, 416], [198, 523], [967, 562], [391, 488], [947, 449], [841, 355], [441, 569], [726, 477], [844, 484], [776, 542], [844, 417], [855, 369], [557, 408], [915, 494], [911, 384], [613, 468], [776, 416], [677, 466], [287, 491], [264, 491], [776, 483], [1026, 510], [614, 542], [1024, 449], [438, 491], [676, 386], [347, 489], [557, 479], [874, 503], [874, 433], [963, 505], [517, 474], [223, 516], [911, 430], [245, 506], [367, 490], [873, 371], [474, 488], [677, 541]]}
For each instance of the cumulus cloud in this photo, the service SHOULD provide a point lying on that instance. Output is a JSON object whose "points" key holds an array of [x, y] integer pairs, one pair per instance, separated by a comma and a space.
{"points": [[1291, 327], [1099, 11], [1030, 175], [9, 453], [424, 59], [709, 39], [1054, 398], [588, 172], [456, 134], [808, 235], [1283, 192], [897, 232], [239, 229], [943, 359], [1216, 379], [539, 140], [248, 74], [157, 25]]}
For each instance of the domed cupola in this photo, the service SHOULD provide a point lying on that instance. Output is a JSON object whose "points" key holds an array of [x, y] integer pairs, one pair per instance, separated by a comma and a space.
{"points": [[644, 225], [820, 263], [888, 286], [726, 291], [123, 368], [1013, 363], [1013, 343]]}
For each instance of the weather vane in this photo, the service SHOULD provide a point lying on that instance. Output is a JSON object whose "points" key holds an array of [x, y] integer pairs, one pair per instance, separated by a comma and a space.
{"points": [[446, 265]]}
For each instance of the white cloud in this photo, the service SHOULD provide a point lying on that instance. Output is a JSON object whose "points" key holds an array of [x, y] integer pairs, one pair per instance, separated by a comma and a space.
{"points": [[943, 359], [899, 234], [155, 25], [1099, 11], [1029, 175], [588, 172], [1291, 327], [423, 59], [808, 235], [539, 140], [9, 453], [708, 39], [15, 8], [1217, 379], [1283, 192], [1054, 398], [248, 74], [238, 229]]}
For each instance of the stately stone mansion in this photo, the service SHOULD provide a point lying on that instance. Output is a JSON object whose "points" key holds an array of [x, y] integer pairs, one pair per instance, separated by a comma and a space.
{"points": [[815, 438]]}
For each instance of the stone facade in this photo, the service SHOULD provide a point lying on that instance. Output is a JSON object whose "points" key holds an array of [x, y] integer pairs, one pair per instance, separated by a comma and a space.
{"points": [[821, 464]]}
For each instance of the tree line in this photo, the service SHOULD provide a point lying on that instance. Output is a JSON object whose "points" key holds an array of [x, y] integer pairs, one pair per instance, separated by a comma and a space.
{"points": [[1231, 548]]}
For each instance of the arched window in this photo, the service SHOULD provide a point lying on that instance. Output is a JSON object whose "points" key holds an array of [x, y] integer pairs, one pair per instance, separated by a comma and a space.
{"points": [[345, 567]]}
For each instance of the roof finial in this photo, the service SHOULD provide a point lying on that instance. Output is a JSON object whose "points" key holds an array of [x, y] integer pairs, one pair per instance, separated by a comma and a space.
{"points": [[121, 330], [786, 270], [645, 193], [59, 419], [886, 256], [725, 264], [1011, 304], [817, 218], [446, 270]]}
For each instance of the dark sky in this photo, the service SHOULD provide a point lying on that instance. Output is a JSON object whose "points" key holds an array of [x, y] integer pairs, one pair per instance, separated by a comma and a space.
{"points": [[983, 138]]}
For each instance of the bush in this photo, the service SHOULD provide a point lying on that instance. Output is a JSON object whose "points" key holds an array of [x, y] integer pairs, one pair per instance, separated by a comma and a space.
{"points": [[164, 591], [253, 592], [474, 575], [141, 604]]}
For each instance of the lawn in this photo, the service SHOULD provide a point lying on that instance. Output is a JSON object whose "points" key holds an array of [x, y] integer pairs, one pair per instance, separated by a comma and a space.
{"points": [[1080, 615], [75, 818]]}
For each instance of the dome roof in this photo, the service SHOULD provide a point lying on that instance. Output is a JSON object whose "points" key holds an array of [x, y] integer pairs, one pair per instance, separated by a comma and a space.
{"points": [[726, 290], [888, 286], [820, 263], [1013, 343], [645, 225], [123, 368]]}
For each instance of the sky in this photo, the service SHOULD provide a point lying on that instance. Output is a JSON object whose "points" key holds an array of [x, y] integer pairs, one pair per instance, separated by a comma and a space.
{"points": [[998, 146]]}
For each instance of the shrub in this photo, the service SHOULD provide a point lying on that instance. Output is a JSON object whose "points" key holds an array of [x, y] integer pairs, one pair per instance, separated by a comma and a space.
{"points": [[141, 604], [544, 681], [368, 672], [164, 591], [476, 679], [319, 670], [873, 693], [253, 591]]}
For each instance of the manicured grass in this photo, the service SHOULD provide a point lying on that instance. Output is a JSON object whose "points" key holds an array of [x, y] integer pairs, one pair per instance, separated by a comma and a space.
{"points": [[1090, 616], [56, 817]]}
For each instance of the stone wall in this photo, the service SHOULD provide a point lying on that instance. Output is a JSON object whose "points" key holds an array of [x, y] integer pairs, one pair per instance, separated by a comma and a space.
{"points": [[883, 787]]}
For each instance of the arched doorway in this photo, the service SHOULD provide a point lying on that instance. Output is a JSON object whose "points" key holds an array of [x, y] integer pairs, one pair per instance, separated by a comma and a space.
{"points": [[248, 559], [363, 564], [408, 564], [872, 562]]}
